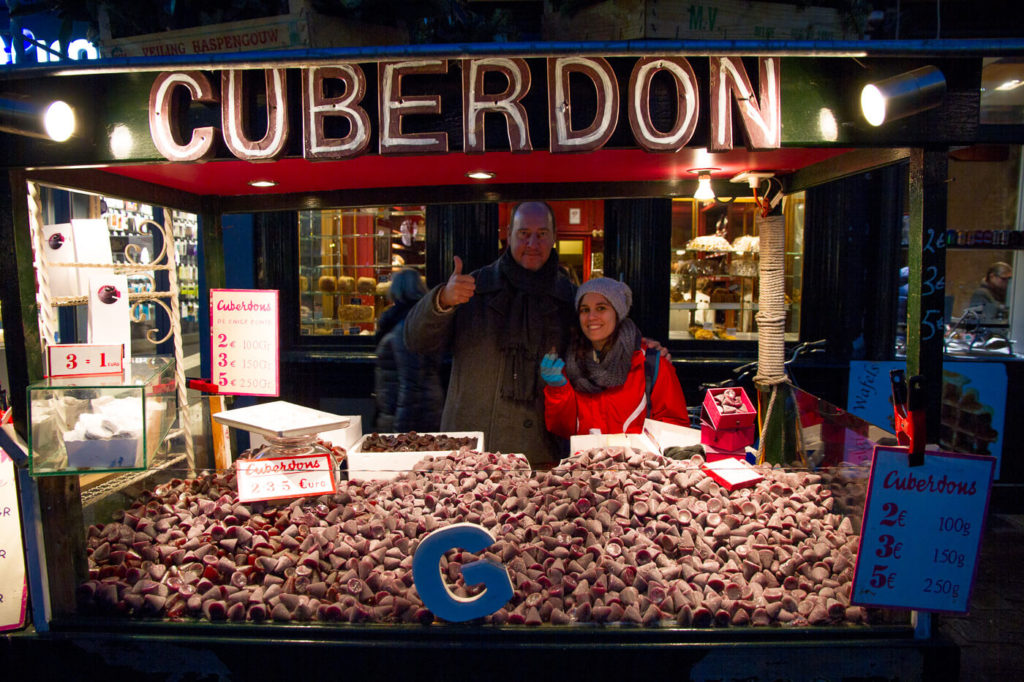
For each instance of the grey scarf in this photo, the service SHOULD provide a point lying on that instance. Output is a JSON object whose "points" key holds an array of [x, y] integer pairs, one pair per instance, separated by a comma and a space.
{"points": [[591, 374]]}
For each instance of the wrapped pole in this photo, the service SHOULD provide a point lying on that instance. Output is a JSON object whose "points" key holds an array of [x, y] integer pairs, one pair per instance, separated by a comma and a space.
{"points": [[771, 380]]}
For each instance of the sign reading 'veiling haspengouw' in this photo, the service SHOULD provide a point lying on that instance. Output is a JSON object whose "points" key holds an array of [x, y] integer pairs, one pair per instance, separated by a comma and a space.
{"points": [[922, 530], [243, 340]]}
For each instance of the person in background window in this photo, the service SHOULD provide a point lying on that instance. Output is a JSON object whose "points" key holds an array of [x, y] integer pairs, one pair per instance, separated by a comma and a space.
{"points": [[606, 385], [989, 299], [407, 384]]}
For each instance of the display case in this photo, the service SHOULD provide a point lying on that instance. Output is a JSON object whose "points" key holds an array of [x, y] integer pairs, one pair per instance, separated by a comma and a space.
{"points": [[102, 424], [346, 257], [715, 270], [610, 537]]}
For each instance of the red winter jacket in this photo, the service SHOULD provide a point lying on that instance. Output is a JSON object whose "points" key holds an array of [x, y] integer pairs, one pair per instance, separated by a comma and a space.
{"points": [[616, 410]]}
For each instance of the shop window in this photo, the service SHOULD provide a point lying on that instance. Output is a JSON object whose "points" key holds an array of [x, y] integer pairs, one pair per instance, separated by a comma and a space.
{"points": [[346, 258], [984, 231], [714, 261]]}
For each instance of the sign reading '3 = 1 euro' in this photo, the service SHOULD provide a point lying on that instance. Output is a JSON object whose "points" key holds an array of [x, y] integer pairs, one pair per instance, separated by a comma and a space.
{"points": [[243, 340], [922, 530]]}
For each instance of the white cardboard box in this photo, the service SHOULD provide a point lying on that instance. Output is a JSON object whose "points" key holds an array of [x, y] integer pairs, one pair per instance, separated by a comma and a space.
{"points": [[656, 438], [637, 442], [387, 465]]}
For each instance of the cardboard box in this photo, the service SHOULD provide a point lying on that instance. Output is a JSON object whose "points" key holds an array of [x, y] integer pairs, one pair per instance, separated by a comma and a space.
{"points": [[637, 442], [388, 465], [665, 435], [731, 440], [731, 420]]}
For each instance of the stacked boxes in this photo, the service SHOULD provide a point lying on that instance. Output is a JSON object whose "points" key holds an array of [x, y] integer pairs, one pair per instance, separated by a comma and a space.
{"points": [[727, 423]]}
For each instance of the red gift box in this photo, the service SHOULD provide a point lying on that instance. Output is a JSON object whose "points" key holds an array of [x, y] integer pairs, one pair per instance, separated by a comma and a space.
{"points": [[730, 440], [743, 417], [713, 454]]}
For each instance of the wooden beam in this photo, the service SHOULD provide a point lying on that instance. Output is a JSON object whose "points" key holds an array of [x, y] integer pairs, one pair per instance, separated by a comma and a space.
{"points": [[844, 165], [111, 185]]}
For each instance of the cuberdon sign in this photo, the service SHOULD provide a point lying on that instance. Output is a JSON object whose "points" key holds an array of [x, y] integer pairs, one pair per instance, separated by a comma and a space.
{"points": [[333, 99]]}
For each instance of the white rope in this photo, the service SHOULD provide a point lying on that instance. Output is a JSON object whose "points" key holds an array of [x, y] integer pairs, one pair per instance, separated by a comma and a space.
{"points": [[47, 316], [771, 314], [174, 311]]}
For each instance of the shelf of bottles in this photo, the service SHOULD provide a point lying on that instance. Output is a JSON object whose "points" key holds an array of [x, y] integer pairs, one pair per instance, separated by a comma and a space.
{"points": [[186, 245], [346, 259], [126, 223]]}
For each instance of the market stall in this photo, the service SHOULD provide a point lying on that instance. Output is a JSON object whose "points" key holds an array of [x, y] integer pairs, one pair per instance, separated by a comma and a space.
{"points": [[619, 552]]}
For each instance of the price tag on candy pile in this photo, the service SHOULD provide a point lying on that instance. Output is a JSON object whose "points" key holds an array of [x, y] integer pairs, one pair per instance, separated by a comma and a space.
{"points": [[84, 360], [922, 530], [276, 478]]}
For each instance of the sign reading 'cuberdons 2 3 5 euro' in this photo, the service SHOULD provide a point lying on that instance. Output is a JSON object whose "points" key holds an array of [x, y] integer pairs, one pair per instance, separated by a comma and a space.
{"points": [[922, 530]]}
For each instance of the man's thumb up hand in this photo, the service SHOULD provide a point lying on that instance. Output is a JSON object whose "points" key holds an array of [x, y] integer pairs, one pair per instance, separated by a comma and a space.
{"points": [[459, 289]]}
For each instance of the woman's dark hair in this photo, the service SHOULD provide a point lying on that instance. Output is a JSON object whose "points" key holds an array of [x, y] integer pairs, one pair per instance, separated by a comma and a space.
{"points": [[407, 286]]}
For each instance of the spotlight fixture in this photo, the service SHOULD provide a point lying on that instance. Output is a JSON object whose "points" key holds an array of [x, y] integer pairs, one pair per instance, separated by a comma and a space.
{"points": [[48, 120], [480, 175], [262, 183], [704, 191], [903, 95]]}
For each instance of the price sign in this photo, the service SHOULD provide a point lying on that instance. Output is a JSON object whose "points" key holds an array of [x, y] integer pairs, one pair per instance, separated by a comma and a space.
{"points": [[276, 478], [84, 360], [922, 530], [13, 587], [243, 339]]}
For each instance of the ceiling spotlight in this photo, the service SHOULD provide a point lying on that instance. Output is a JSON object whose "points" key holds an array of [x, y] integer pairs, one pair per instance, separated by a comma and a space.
{"points": [[480, 175], [49, 120], [903, 95], [262, 183], [704, 191]]}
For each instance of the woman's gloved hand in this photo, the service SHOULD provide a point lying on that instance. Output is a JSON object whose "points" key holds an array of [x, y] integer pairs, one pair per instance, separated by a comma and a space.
{"points": [[551, 367]]}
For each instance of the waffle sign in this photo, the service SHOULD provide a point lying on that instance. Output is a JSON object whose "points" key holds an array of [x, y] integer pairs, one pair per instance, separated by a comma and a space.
{"points": [[922, 530]]}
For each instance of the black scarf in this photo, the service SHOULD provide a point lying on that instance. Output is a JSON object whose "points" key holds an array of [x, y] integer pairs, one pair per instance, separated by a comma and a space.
{"points": [[531, 325], [589, 373]]}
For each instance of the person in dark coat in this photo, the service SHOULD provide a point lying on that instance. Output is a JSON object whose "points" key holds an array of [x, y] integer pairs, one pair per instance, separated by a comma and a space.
{"points": [[498, 322], [407, 384]]}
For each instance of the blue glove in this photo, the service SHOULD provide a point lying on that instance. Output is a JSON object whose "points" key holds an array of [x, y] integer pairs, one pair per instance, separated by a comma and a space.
{"points": [[551, 370]]}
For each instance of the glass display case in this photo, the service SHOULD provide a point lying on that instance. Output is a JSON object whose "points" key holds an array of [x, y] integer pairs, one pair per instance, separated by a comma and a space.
{"points": [[714, 280], [346, 257], [101, 423]]}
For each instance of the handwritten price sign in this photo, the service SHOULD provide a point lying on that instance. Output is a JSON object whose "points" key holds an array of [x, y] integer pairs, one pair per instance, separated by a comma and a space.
{"points": [[277, 478], [243, 339], [922, 530], [84, 360]]}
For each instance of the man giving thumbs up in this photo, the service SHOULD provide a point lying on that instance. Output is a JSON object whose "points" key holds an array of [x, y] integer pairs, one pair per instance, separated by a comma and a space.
{"points": [[498, 322]]}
